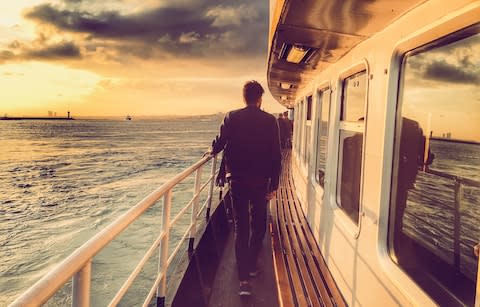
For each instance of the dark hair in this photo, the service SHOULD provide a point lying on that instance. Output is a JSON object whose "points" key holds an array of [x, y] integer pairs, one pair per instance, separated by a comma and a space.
{"points": [[252, 91]]}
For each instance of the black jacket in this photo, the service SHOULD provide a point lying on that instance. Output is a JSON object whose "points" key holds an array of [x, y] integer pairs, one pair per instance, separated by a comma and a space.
{"points": [[250, 138]]}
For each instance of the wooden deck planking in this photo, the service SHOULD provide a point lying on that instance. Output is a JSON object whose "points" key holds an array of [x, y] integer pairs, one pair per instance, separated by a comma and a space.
{"points": [[294, 272]]}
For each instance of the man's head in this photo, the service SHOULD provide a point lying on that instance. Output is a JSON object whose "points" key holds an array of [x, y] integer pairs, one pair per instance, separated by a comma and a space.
{"points": [[252, 93]]}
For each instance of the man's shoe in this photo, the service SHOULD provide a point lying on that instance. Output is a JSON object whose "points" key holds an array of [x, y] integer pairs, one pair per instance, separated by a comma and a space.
{"points": [[245, 289]]}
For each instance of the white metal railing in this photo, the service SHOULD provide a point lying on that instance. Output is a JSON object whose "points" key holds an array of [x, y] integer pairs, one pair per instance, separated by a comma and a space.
{"points": [[77, 266]]}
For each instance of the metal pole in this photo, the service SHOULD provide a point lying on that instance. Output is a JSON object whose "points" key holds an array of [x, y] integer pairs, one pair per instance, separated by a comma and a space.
{"points": [[193, 220], [162, 287], [81, 286], [456, 229], [212, 184]]}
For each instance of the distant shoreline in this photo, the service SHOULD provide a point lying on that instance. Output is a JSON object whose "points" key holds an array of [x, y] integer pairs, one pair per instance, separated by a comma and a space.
{"points": [[454, 140], [36, 118]]}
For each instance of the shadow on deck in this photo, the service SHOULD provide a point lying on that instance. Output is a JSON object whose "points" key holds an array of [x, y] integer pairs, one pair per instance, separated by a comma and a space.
{"points": [[292, 269]]}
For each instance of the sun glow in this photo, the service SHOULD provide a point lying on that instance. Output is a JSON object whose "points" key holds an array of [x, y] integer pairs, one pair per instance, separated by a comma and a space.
{"points": [[41, 86]]}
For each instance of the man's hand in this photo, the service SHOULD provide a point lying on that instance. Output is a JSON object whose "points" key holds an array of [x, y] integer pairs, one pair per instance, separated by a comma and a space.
{"points": [[270, 195]]}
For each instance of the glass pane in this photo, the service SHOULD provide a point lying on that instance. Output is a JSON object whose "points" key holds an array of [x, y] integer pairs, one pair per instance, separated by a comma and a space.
{"points": [[322, 135], [436, 179], [354, 94], [309, 107], [307, 144], [349, 173]]}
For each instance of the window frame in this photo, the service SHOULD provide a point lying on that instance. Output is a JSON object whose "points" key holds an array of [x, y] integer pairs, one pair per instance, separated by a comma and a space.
{"points": [[347, 223], [319, 107], [400, 58], [425, 35], [307, 123]]}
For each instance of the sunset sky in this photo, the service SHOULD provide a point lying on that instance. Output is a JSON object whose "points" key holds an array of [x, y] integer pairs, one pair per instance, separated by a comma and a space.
{"points": [[118, 57]]}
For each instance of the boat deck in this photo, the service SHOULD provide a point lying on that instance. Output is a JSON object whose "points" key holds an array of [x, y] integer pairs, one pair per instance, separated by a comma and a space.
{"points": [[293, 271]]}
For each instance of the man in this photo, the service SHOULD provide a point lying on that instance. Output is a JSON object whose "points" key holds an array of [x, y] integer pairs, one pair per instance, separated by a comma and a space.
{"points": [[250, 140]]}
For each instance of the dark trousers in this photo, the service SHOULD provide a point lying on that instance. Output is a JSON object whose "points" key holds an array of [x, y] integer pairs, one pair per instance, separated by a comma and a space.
{"points": [[250, 216]]}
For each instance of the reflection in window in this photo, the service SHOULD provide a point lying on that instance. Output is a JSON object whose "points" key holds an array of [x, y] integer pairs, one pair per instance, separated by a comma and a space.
{"points": [[350, 144], [323, 112], [354, 92], [435, 213]]}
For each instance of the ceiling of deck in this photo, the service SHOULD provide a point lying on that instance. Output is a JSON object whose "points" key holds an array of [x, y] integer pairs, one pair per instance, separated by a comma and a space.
{"points": [[331, 27]]}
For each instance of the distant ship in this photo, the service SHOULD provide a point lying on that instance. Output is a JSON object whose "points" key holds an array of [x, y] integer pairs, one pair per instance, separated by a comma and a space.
{"points": [[128, 117]]}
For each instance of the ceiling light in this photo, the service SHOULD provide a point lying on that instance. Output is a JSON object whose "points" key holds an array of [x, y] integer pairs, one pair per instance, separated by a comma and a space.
{"points": [[283, 97], [297, 53], [285, 86]]}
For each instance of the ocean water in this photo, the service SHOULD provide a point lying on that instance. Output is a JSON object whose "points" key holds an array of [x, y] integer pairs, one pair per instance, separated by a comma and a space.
{"points": [[434, 202], [63, 181]]}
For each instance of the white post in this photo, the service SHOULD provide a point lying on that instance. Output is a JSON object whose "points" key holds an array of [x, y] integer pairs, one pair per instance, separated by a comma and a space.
{"points": [[193, 220], [162, 269], [81, 286], [212, 184]]}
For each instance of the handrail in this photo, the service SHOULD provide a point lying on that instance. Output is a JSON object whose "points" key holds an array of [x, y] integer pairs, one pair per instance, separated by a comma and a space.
{"points": [[462, 180], [78, 264], [458, 188]]}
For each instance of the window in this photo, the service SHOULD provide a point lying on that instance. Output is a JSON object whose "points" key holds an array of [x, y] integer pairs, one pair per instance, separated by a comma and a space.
{"points": [[301, 132], [354, 91], [308, 130], [295, 128], [435, 198], [322, 120]]}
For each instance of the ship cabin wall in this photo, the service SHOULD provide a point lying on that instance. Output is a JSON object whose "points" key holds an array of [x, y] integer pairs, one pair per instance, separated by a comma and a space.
{"points": [[357, 252]]}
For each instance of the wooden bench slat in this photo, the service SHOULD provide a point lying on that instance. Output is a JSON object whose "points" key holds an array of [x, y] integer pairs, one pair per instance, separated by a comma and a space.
{"points": [[320, 262], [285, 297], [299, 252], [296, 282], [303, 278], [314, 274]]}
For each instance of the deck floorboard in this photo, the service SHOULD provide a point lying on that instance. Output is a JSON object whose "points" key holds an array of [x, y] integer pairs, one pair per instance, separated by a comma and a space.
{"points": [[293, 271]]}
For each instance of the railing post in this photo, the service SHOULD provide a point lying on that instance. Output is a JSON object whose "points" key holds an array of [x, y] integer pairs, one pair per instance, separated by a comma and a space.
{"points": [[163, 258], [212, 184], [81, 286], [456, 230], [193, 220]]}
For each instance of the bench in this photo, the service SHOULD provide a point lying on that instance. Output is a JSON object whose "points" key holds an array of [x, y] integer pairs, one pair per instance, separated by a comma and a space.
{"points": [[303, 278]]}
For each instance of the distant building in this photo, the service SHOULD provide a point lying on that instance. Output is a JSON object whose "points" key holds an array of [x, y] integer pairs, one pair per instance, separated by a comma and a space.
{"points": [[449, 135], [50, 113]]}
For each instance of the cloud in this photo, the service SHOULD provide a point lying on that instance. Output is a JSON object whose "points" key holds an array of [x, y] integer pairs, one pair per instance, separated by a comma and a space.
{"points": [[62, 50], [455, 63], [443, 71], [6, 55], [41, 51], [185, 28], [230, 15]]}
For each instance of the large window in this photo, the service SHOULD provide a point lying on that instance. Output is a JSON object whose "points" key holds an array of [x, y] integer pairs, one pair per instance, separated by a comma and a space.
{"points": [[351, 128], [435, 202], [322, 120]]}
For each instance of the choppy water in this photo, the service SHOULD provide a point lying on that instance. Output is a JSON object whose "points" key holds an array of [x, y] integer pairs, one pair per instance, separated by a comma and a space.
{"points": [[63, 181], [431, 207]]}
